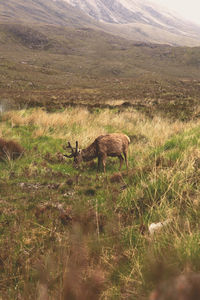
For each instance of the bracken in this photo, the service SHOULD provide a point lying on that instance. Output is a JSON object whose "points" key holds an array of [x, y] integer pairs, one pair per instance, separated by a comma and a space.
{"points": [[10, 149]]}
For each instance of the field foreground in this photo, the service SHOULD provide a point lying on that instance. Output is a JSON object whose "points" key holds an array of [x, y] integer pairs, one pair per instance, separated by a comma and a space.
{"points": [[71, 233]]}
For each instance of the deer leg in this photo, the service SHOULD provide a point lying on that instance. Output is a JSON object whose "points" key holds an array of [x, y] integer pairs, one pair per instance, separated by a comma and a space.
{"points": [[99, 163], [126, 160], [104, 162], [120, 161]]}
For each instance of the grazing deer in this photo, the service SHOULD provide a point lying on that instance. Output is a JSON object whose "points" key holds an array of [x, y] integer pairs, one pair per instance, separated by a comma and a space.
{"points": [[114, 144]]}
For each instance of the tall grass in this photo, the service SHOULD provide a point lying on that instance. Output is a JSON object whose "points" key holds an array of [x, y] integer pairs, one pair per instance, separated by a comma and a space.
{"points": [[79, 234], [79, 124]]}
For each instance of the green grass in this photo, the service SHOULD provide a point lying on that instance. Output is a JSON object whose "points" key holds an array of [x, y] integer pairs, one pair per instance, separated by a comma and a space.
{"points": [[56, 220]]}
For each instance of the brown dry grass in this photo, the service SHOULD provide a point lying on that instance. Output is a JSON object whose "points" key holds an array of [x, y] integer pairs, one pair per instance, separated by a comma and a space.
{"points": [[78, 124], [91, 125]]}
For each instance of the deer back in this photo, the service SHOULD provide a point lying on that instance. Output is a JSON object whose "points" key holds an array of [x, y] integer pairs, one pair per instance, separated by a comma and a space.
{"points": [[112, 144]]}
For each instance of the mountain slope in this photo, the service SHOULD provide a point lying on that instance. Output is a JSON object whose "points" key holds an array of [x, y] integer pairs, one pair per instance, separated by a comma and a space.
{"points": [[135, 20], [133, 11], [139, 16], [54, 66], [43, 11]]}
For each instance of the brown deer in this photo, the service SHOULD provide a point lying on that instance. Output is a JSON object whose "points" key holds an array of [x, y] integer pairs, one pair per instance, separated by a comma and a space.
{"points": [[114, 144]]}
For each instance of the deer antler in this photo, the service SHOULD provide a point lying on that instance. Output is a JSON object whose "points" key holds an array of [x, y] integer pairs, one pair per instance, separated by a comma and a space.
{"points": [[72, 150], [76, 151]]}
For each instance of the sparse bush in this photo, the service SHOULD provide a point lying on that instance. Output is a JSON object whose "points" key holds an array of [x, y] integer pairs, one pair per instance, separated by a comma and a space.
{"points": [[10, 149]]}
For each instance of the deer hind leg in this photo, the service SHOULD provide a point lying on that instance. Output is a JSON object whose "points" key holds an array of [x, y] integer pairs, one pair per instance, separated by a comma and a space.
{"points": [[99, 163], [120, 161]]}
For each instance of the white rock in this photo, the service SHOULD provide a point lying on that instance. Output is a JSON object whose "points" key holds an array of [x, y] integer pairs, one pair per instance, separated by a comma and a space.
{"points": [[157, 226]]}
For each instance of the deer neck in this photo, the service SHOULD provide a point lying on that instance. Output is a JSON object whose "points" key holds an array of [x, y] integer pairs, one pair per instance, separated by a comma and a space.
{"points": [[89, 153]]}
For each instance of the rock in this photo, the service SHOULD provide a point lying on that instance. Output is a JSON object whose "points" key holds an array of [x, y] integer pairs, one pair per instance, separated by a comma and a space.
{"points": [[155, 227]]}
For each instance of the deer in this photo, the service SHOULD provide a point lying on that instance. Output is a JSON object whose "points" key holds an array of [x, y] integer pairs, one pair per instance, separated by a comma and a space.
{"points": [[113, 144]]}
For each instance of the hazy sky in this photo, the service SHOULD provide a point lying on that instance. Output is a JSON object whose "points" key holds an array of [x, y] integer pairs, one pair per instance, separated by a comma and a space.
{"points": [[189, 9]]}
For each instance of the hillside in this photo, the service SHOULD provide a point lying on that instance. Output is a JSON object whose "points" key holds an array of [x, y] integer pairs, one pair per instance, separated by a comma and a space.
{"points": [[138, 22], [56, 66], [43, 11], [134, 11], [141, 20]]}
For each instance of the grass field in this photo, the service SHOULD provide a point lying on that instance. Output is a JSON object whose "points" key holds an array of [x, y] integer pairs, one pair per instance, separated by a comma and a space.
{"points": [[71, 233]]}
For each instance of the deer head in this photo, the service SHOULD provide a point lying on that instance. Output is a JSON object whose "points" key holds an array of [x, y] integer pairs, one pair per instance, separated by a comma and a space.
{"points": [[75, 153]]}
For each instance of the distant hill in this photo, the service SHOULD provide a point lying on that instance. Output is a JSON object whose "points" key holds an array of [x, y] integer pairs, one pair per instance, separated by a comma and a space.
{"points": [[53, 55], [43, 12], [55, 66], [97, 52], [141, 20], [135, 20]]}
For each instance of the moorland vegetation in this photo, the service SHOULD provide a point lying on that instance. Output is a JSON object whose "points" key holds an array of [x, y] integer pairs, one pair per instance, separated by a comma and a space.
{"points": [[55, 67], [67, 231]]}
